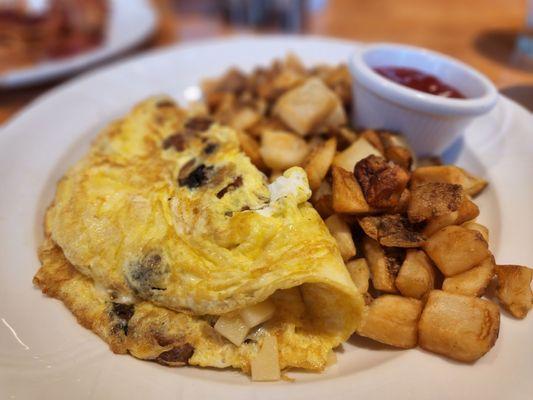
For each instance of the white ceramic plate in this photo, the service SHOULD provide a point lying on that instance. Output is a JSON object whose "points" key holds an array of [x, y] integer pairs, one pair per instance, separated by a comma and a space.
{"points": [[45, 353], [130, 22]]}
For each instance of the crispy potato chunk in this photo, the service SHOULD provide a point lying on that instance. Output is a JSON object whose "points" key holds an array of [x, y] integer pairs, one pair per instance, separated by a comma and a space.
{"points": [[374, 139], [416, 277], [382, 182], [340, 230], [281, 150], [306, 106], [360, 273], [400, 155], [250, 147], [357, 151], [347, 194], [514, 289], [472, 282], [460, 327], [384, 265], [455, 249], [477, 227], [345, 137], [392, 320], [467, 210], [318, 162], [322, 200], [471, 184], [335, 119], [433, 199], [392, 230]]}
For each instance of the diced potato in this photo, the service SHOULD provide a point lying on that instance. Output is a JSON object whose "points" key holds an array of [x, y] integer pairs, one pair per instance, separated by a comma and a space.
{"points": [[392, 230], [400, 155], [466, 211], [306, 106], [232, 327], [471, 184], [347, 194], [382, 182], [335, 119], [417, 275], [340, 230], [265, 365], [383, 269], [433, 199], [244, 118], [455, 249], [258, 313], [358, 150], [322, 200], [250, 147], [472, 282], [392, 320], [281, 150], [460, 327], [514, 289], [477, 227], [374, 139], [318, 162], [360, 273], [345, 137]]}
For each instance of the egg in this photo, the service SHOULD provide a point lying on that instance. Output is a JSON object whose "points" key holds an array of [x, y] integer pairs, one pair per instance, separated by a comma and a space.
{"points": [[165, 225]]}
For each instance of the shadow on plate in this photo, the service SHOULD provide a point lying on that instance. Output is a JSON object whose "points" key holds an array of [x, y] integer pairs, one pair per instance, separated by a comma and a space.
{"points": [[500, 45], [522, 94]]}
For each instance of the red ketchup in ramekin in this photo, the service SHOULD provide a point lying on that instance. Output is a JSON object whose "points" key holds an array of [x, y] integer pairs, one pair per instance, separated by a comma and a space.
{"points": [[420, 81]]}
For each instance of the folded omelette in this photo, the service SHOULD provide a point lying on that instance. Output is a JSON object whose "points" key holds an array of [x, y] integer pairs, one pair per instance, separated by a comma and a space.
{"points": [[169, 244]]}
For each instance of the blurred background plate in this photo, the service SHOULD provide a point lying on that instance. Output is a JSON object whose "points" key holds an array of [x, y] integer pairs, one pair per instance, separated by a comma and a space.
{"points": [[130, 23], [44, 353]]}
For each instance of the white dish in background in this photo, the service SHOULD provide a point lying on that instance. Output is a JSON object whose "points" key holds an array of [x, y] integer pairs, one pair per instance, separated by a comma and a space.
{"points": [[432, 123], [130, 23], [52, 356]]}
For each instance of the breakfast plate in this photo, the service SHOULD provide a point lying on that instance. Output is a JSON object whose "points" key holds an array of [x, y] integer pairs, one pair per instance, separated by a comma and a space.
{"points": [[130, 22], [44, 353]]}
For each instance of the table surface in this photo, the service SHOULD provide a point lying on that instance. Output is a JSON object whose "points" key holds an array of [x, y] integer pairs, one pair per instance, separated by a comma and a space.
{"points": [[479, 32]]}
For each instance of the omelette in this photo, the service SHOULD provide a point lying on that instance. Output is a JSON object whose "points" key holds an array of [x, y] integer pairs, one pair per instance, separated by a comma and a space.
{"points": [[167, 242]]}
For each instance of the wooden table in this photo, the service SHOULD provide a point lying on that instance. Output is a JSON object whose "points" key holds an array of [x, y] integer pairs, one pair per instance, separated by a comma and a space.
{"points": [[480, 32]]}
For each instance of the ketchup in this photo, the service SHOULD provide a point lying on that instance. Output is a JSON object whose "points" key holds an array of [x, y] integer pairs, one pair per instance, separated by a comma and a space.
{"points": [[420, 81]]}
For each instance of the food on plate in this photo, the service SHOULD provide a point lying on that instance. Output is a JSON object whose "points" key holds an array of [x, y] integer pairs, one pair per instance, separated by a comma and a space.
{"points": [[392, 320], [31, 31], [514, 289], [418, 80], [259, 230], [168, 223], [460, 327]]}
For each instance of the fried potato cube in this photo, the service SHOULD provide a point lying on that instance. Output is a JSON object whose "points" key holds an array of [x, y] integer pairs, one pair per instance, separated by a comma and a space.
{"points": [[460, 327], [416, 277], [374, 139], [356, 152], [345, 137], [467, 210], [392, 230], [471, 184], [392, 320], [306, 106], [433, 199], [250, 147], [455, 249], [265, 365], [281, 150], [400, 155], [472, 282], [318, 161], [335, 119], [477, 227], [244, 118], [340, 230], [322, 200], [514, 289], [360, 273], [383, 267], [382, 182], [347, 195]]}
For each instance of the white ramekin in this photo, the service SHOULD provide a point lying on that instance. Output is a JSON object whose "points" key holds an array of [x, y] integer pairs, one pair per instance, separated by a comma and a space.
{"points": [[430, 123]]}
